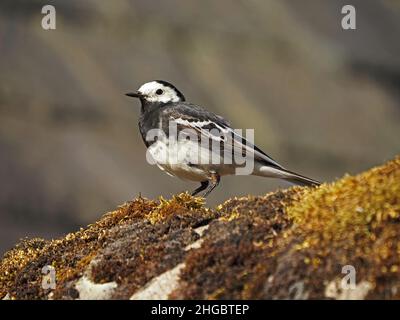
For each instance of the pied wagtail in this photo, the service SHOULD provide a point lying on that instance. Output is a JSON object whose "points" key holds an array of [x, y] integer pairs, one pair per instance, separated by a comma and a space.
{"points": [[162, 104]]}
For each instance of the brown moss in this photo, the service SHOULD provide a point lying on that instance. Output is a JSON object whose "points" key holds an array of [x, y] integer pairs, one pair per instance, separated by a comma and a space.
{"points": [[140, 251], [354, 221], [316, 232], [20, 269], [255, 247], [132, 244], [235, 247], [168, 208], [16, 259]]}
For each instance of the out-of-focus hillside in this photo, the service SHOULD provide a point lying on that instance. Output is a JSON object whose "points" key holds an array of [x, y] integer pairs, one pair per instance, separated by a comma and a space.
{"points": [[323, 101]]}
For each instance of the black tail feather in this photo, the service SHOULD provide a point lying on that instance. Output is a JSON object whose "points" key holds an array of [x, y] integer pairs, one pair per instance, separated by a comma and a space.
{"points": [[300, 180]]}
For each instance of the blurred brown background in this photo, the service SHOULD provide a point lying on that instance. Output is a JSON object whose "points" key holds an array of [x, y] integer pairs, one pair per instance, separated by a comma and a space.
{"points": [[323, 101]]}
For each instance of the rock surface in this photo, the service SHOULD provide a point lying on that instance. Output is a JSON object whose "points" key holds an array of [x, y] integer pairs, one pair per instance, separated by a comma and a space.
{"points": [[338, 241]]}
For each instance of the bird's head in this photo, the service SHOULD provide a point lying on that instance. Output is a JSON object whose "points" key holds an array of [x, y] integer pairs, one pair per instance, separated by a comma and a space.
{"points": [[158, 91]]}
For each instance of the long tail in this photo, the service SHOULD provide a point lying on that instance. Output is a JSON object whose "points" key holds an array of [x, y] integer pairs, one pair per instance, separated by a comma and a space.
{"points": [[300, 180], [281, 173]]}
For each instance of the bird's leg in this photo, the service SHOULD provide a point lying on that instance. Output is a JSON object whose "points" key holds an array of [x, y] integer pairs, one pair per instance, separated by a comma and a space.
{"points": [[214, 180], [204, 185]]}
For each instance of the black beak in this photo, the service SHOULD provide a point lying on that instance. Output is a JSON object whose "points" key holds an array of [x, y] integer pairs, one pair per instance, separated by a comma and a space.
{"points": [[134, 95]]}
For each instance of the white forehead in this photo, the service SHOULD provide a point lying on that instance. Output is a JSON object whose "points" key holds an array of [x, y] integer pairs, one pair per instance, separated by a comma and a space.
{"points": [[151, 86], [149, 89]]}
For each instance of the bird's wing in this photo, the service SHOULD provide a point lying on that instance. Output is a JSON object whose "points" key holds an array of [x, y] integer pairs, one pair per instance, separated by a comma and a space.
{"points": [[206, 123]]}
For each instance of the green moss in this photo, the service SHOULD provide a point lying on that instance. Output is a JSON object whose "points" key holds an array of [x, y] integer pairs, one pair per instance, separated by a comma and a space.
{"points": [[352, 206], [352, 221]]}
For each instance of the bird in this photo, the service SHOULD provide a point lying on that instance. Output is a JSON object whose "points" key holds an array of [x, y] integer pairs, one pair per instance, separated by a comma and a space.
{"points": [[164, 107]]}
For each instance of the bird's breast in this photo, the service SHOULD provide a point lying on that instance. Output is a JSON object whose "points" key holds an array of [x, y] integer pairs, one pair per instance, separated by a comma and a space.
{"points": [[181, 159]]}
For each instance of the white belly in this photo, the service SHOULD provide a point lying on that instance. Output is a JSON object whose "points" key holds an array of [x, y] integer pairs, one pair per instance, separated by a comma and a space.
{"points": [[185, 160]]}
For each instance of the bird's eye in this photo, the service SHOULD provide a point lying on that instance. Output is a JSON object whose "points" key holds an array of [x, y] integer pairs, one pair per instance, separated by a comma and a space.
{"points": [[159, 92]]}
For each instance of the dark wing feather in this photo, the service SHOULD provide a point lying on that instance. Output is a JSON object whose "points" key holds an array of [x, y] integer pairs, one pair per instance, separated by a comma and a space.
{"points": [[195, 117]]}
